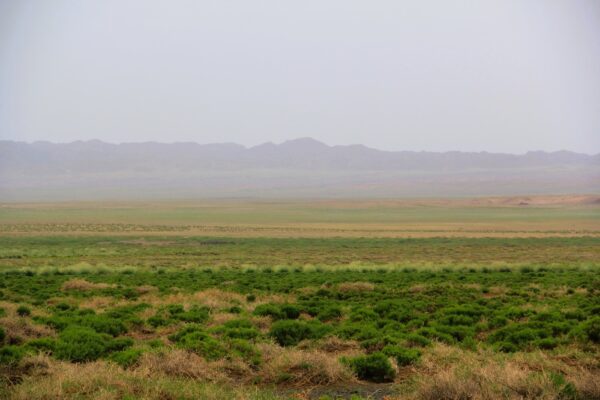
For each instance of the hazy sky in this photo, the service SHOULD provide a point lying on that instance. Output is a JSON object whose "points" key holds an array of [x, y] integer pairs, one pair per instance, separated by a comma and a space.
{"points": [[502, 75]]}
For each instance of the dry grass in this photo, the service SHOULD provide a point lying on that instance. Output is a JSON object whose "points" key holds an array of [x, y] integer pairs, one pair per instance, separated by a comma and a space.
{"points": [[214, 299], [300, 368], [587, 384], [444, 373], [263, 323], [278, 298], [178, 363], [145, 289], [335, 345], [292, 367], [20, 329], [178, 376], [32, 366], [452, 374], [221, 318], [81, 285], [356, 287], [418, 288], [99, 303]]}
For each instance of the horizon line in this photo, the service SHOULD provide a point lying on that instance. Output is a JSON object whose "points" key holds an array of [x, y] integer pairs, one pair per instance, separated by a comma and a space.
{"points": [[299, 139]]}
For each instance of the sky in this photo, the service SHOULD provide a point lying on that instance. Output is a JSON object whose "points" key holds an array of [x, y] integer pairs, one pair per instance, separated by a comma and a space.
{"points": [[500, 76]]}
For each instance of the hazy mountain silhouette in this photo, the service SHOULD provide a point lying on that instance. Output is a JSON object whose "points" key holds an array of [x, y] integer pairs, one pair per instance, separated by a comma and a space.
{"points": [[296, 168]]}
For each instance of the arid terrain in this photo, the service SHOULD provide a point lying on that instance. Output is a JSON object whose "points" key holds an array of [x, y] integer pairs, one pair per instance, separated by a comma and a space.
{"points": [[481, 298]]}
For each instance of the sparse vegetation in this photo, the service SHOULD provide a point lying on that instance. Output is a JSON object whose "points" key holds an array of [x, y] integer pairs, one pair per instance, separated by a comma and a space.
{"points": [[265, 318]]}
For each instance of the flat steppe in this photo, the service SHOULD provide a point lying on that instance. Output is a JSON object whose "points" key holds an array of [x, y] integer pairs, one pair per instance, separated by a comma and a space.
{"points": [[530, 216]]}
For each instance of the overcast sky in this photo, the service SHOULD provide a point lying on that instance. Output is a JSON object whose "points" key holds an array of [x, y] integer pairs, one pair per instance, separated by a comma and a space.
{"points": [[503, 76]]}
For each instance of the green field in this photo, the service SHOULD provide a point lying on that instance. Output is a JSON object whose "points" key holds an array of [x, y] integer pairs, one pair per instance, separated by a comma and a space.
{"points": [[318, 218], [127, 303]]}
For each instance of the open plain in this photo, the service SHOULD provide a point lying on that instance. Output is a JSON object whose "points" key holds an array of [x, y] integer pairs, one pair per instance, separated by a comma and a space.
{"points": [[482, 298]]}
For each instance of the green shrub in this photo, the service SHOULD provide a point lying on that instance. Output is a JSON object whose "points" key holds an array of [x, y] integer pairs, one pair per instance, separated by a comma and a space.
{"points": [[546, 343], [378, 343], [155, 343], [414, 339], [195, 315], [47, 345], [373, 367], [436, 335], [457, 332], [80, 344], [119, 344], [191, 328], [505, 347], [330, 313], [591, 329], [126, 358], [318, 329], [238, 329], [246, 351], [2, 335], [193, 338], [521, 336], [103, 324], [290, 332], [62, 306], [175, 309], [402, 355], [363, 314], [157, 320], [11, 355], [270, 310], [23, 311], [235, 310], [290, 311]]}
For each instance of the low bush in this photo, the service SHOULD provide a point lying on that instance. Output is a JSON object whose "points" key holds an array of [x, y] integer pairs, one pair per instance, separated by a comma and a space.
{"points": [[522, 336], [290, 311], [235, 309], [414, 339], [374, 367], [330, 313], [103, 324], [195, 314], [118, 344], [290, 332], [80, 344], [157, 321], [23, 311], [11, 355], [238, 329], [402, 355], [591, 329], [126, 358], [246, 351], [270, 310], [46, 345], [193, 338]]}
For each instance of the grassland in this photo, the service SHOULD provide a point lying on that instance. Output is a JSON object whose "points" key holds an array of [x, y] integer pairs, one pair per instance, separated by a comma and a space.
{"points": [[543, 216], [324, 300]]}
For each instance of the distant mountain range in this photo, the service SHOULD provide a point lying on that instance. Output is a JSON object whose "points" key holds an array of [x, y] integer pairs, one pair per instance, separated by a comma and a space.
{"points": [[90, 170]]}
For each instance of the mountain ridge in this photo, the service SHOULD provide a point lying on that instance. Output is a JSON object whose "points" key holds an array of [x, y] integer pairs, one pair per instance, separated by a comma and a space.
{"points": [[287, 143], [300, 167]]}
